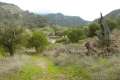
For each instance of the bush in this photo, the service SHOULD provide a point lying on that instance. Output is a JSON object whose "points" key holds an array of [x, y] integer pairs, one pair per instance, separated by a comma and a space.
{"points": [[93, 28], [112, 24], [38, 41], [75, 35]]}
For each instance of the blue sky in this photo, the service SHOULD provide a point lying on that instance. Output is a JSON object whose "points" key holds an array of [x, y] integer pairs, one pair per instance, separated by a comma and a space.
{"points": [[87, 9]]}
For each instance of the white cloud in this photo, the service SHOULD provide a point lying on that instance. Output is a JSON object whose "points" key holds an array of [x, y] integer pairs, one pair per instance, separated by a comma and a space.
{"points": [[87, 9]]}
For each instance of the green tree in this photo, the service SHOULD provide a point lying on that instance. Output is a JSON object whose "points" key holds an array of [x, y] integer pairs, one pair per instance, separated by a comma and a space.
{"points": [[75, 35], [92, 29], [112, 24], [38, 41], [10, 38]]}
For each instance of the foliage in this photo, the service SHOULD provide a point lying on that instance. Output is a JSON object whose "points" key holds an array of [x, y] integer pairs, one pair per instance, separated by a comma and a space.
{"points": [[92, 29], [2, 53], [10, 38], [112, 24], [66, 32], [58, 31], [33, 20], [75, 35], [38, 41]]}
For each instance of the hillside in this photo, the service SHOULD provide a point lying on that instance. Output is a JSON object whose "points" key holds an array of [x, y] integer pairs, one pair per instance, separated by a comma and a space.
{"points": [[64, 20], [114, 14], [10, 8], [12, 14]]}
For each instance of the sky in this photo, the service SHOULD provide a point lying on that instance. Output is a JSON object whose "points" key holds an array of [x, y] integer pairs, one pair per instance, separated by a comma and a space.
{"points": [[86, 9]]}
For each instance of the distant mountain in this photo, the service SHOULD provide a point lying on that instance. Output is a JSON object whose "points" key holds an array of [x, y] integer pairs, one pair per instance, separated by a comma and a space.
{"points": [[12, 14], [64, 20]]}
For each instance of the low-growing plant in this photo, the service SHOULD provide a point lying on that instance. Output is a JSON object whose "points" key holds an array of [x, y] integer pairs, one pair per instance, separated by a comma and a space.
{"points": [[75, 35], [28, 71]]}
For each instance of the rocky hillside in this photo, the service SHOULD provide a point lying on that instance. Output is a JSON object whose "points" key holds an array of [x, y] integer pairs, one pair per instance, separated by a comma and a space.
{"points": [[10, 13], [114, 14]]}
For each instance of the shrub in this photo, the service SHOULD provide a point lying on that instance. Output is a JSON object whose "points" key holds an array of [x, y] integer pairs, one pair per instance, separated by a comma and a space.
{"points": [[75, 35], [93, 28], [112, 24], [38, 41]]}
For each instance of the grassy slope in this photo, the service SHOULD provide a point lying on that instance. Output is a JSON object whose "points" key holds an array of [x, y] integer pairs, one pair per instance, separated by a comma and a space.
{"points": [[42, 68]]}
